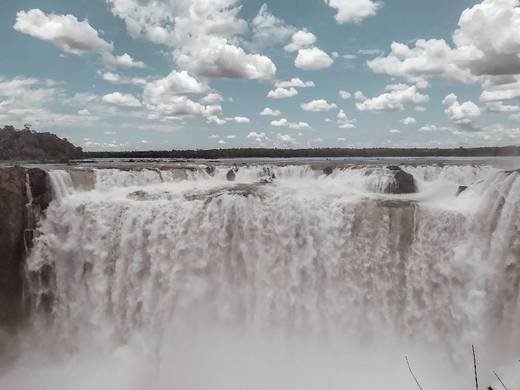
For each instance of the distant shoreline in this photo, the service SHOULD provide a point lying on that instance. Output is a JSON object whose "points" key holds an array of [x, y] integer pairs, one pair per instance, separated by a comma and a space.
{"points": [[216, 154]]}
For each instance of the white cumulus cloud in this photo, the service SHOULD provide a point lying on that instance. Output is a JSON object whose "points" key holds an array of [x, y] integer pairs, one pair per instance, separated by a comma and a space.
{"points": [[282, 93], [301, 39], [398, 97], [354, 11], [70, 35], [270, 112], [462, 114], [312, 59], [121, 99], [295, 82], [319, 105], [292, 125]]}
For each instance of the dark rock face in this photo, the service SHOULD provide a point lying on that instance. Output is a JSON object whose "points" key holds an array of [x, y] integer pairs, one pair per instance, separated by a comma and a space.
{"points": [[30, 145], [404, 182], [40, 188], [210, 170], [13, 199], [461, 189], [231, 175], [18, 220], [328, 171]]}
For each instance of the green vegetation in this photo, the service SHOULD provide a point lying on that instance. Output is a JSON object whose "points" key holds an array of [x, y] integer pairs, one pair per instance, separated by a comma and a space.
{"points": [[30, 145]]}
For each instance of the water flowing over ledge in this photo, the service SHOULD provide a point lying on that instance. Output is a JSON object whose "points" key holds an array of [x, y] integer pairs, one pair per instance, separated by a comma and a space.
{"points": [[283, 277]]}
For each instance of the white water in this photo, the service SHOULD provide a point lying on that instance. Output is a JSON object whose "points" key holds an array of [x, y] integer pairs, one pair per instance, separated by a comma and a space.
{"points": [[182, 280]]}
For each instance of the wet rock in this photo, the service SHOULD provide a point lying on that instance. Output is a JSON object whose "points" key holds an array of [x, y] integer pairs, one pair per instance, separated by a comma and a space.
{"points": [[403, 183], [40, 188], [231, 175], [13, 199], [210, 170], [328, 171], [461, 189]]}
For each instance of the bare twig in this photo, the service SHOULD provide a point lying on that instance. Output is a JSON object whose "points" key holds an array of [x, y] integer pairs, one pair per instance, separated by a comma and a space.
{"points": [[475, 366], [413, 375], [500, 380]]}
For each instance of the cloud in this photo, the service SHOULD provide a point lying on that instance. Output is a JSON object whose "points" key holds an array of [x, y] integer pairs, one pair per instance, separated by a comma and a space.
{"points": [[354, 11], [301, 39], [295, 82], [172, 107], [268, 30], [215, 120], [286, 139], [115, 78], [176, 83], [63, 31], [312, 59], [428, 58], [270, 112], [408, 121], [370, 52], [212, 98], [218, 59], [344, 122], [121, 99], [202, 34], [501, 107], [344, 95], [295, 126], [434, 128], [461, 114], [319, 105], [397, 99], [241, 119], [84, 112], [485, 47], [166, 97], [259, 138], [41, 103], [127, 61], [394, 131], [505, 91], [70, 35], [282, 93]]}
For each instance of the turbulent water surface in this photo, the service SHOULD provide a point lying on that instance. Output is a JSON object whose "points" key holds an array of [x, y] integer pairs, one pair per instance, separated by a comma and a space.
{"points": [[180, 279]]}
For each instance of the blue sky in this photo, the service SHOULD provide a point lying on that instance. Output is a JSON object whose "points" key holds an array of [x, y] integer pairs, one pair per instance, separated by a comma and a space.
{"points": [[162, 74]]}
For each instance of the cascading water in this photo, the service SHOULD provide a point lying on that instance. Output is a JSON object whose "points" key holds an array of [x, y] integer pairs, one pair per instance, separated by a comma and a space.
{"points": [[178, 279]]}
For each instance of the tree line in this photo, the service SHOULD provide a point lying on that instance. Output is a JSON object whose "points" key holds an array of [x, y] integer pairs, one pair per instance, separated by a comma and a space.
{"points": [[211, 154]]}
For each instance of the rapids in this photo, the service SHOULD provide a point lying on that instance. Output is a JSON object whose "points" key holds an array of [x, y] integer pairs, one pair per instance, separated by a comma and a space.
{"points": [[180, 279]]}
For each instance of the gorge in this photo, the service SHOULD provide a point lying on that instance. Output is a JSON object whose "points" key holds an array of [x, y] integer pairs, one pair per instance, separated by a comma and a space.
{"points": [[173, 276]]}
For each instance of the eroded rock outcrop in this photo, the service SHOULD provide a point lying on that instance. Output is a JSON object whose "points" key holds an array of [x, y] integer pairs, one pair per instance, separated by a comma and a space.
{"points": [[403, 183], [20, 210], [13, 198]]}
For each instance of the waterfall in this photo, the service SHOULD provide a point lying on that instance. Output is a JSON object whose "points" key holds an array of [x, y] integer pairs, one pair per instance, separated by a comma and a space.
{"points": [[184, 280], [62, 185]]}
